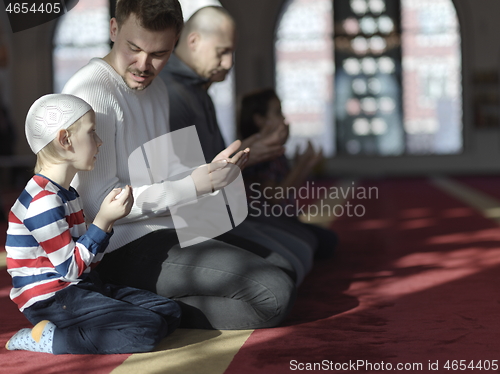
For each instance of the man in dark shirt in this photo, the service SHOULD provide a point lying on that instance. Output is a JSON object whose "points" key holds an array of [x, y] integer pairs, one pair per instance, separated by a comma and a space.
{"points": [[204, 55]]}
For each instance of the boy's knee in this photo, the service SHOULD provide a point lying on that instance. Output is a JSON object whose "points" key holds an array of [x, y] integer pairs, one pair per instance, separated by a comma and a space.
{"points": [[157, 325], [172, 317], [154, 331]]}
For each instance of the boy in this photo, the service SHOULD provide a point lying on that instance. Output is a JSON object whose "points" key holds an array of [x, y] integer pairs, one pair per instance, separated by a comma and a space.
{"points": [[50, 252]]}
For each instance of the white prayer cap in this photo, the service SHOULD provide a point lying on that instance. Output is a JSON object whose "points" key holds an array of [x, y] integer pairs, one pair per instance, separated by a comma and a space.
{"points": [[49, 114]]}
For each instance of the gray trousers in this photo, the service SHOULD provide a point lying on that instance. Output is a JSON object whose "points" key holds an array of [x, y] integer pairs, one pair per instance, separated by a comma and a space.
{"points": [[218, 285], [285, 245]]}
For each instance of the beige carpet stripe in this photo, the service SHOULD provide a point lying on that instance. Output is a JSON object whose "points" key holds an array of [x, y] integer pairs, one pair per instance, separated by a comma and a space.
{"points": [[188, 351], [485, 204], [3, 260]]}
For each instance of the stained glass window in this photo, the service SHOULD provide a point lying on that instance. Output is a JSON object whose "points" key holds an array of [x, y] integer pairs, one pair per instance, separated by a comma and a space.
{"points": [[396, 85], [81, 34], [432, 86], [368, 78], [304, 72]]}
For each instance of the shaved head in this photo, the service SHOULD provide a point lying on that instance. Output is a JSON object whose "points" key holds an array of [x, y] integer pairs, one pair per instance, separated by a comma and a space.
{"points": [[208, 21], [207, 41]]}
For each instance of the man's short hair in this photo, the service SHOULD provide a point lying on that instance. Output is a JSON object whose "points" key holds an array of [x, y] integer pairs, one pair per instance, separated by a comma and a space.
{"points": [[154, 15]]}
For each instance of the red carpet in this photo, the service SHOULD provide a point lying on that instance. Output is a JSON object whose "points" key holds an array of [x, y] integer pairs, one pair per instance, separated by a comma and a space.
{"points": [[415, 281], [489, 185]]}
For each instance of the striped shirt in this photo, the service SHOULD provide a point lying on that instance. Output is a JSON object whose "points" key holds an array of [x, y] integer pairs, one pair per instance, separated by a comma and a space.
{"points": [[48, 245]]}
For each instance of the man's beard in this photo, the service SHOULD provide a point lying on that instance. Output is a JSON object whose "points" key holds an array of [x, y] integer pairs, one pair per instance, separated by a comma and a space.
{"points": [[139, 73]]}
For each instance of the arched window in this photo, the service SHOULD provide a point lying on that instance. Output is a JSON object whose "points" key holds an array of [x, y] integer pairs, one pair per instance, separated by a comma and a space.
{"points": [[432, 77], [304, 72], [81, 34], [397, 82]]}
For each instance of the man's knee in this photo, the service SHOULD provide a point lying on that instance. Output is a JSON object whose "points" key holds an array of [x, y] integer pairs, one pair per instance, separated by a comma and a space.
{"points": [[278, 303]]}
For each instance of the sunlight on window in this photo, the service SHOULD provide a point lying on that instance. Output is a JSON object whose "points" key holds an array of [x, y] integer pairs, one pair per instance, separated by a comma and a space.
{"points": [[81, 34], [304, 72], [398, 86], [432, 87]]}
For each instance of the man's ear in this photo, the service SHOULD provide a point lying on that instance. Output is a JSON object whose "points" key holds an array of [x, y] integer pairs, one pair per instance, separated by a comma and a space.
{"points": [[113, 29], [63, 139], [193, 40]]}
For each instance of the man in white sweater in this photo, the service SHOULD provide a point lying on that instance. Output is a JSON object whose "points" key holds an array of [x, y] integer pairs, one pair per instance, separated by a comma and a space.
{"points": [[217, 285]]}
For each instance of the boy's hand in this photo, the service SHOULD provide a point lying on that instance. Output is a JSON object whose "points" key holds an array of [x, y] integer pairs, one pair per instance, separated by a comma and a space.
{"points": [[116, 205]]}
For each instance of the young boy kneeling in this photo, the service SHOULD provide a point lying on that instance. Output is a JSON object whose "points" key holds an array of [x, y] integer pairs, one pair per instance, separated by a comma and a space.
{"points": [[50, 252]]}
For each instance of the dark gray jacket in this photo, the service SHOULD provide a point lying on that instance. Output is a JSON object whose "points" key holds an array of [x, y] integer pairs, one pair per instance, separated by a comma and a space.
{"points": [[190, 104]]}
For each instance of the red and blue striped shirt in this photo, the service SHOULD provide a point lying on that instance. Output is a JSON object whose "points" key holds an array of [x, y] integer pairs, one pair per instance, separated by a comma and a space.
{"points": [[48, 244]]}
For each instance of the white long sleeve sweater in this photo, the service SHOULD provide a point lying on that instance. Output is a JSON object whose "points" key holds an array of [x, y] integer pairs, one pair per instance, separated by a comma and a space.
{"points": [[125, 120]]}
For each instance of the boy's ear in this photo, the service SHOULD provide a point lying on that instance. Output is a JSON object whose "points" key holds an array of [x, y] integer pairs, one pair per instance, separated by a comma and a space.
{"points": [[63, 139]]}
